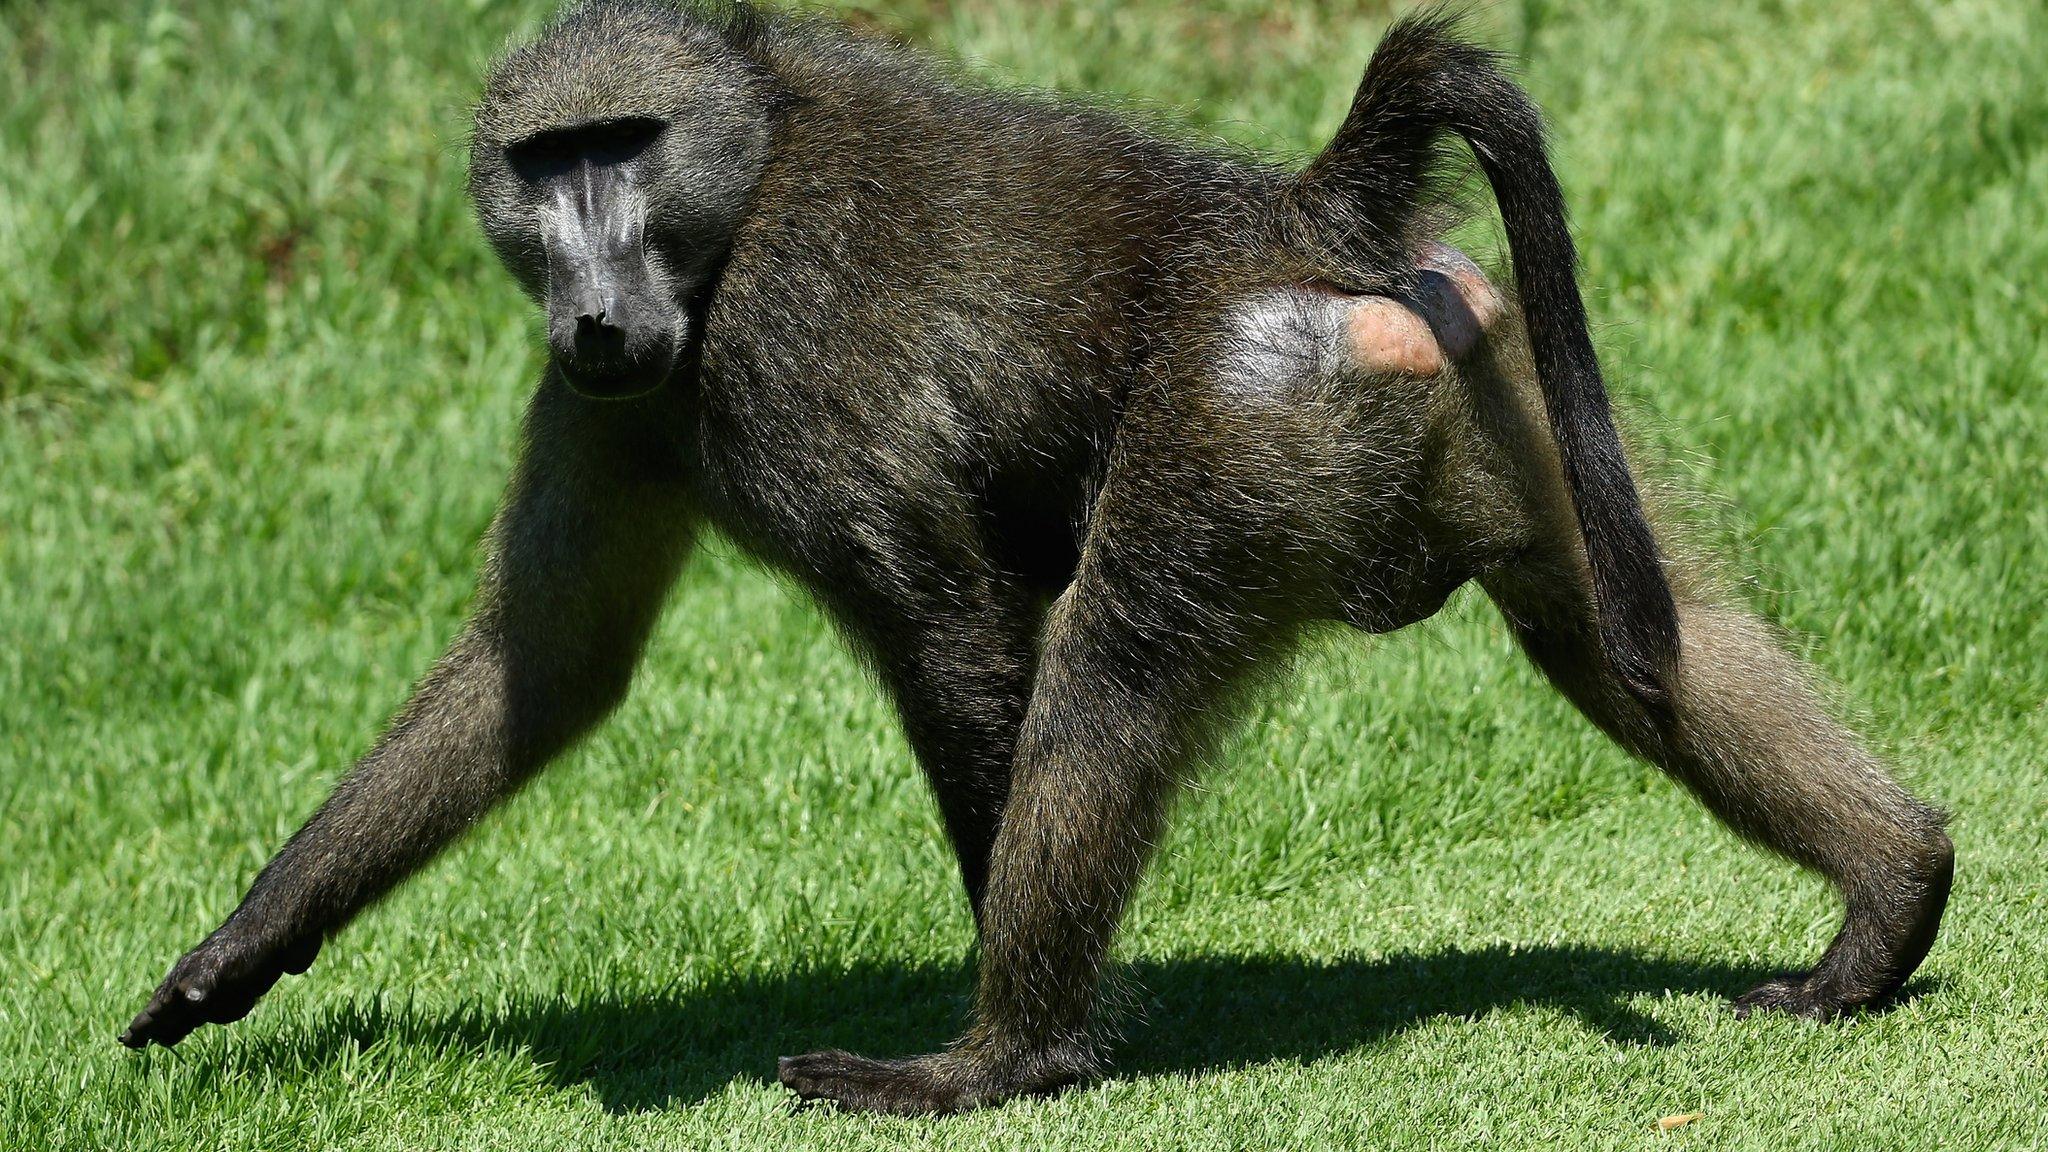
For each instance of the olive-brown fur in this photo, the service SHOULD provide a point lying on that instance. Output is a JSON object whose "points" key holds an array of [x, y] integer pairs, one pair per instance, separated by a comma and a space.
{"points": [[1073, 429]]}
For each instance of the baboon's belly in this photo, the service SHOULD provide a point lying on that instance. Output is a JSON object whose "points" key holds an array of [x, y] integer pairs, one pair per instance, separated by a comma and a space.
{"points": [[1392, 594]]}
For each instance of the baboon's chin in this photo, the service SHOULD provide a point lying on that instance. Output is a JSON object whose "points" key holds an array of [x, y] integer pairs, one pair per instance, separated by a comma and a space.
{"points": [[618, 381]]}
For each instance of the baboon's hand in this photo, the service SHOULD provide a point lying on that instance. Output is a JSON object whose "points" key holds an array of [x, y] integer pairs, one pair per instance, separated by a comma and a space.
{"points": [[941, 1084], [217, 983]]}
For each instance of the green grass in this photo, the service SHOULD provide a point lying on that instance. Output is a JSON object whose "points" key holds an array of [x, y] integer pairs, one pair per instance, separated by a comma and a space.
{"points": [[258, 386]]}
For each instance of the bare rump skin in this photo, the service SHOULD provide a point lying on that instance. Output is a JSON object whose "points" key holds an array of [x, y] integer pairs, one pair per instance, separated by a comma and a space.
{"points": [[1456, 306]]}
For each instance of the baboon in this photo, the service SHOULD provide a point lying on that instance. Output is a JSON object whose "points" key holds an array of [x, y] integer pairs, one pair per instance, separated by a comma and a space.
{"points": [[1072, 429]]}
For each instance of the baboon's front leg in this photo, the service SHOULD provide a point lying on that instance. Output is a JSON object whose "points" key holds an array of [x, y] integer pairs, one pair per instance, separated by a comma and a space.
{"points": [[587, 541], [961, 675], [1123, 697]]}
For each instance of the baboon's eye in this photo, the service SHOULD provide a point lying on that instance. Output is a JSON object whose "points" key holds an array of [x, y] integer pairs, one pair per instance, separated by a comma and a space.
{"points": [[557, 150]]}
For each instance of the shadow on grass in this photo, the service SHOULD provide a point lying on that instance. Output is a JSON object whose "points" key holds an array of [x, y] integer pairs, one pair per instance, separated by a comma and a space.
{"points": [[1188, 1015]]}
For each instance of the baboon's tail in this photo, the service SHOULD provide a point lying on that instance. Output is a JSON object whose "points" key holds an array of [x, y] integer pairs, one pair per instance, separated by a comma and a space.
{"points": [[1425, 80]]}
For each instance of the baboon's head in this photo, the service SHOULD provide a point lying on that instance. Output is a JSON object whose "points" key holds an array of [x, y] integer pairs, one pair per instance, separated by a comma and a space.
{"points": [[611, 162]]}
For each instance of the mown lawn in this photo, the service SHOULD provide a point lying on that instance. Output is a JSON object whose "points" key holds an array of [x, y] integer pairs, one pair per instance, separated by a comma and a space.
{"points": [[258, 387]]}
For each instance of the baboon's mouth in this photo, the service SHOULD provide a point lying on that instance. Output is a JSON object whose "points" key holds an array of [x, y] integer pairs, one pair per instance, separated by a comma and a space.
{"points": [[605, 362]]}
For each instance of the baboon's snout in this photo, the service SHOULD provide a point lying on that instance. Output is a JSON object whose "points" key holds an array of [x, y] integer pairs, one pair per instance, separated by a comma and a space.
{"points": [[612, 330]]}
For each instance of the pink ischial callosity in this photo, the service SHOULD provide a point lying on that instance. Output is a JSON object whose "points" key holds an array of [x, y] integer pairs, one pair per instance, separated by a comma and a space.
{"points": [[1455, 306], [1383, 335]]}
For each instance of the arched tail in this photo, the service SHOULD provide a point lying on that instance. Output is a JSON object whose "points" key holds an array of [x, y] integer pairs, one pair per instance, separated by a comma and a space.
{"points": [[1424, 80]]}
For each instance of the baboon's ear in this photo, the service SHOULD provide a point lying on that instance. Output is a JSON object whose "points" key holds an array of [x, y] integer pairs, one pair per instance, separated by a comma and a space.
{"points": [[1454, 308]]}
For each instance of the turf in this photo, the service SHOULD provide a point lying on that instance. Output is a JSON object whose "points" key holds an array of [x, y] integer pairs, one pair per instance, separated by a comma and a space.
{"points": [[258, 388]]}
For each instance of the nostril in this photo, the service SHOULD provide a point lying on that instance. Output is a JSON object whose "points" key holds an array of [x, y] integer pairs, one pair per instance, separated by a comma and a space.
{"points": [[598, 338], [598, 335]]}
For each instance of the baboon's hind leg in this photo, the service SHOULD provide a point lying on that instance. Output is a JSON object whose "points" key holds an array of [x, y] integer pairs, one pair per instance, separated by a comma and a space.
{"points": [[1747, 735]]}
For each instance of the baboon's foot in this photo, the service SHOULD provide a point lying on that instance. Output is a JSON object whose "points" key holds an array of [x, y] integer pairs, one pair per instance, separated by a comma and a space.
{"points": [[1885, 939], [217, 983], [935, 1085]]}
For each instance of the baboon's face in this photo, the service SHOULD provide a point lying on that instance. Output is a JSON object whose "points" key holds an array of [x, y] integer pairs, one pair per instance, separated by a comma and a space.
{"points": [[610, 179], [615, 324]]}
